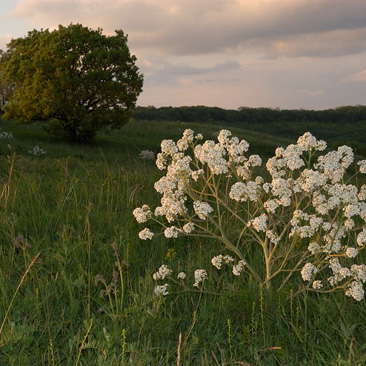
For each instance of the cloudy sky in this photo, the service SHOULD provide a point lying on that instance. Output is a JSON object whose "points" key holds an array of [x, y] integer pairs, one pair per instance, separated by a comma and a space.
{"points": [[307, 54]]}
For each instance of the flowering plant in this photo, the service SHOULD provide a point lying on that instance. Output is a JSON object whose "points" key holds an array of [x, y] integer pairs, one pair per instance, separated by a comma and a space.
{"points": [[301, 212], [6, 135], [36, 151], [147, 155]]}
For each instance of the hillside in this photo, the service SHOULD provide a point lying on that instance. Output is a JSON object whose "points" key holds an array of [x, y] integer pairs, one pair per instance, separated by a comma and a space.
{"points": [[78, 284], [343, 125]]}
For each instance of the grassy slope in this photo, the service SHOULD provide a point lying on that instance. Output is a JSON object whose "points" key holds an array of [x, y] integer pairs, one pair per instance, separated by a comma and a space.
{"points": [[71, 205]]}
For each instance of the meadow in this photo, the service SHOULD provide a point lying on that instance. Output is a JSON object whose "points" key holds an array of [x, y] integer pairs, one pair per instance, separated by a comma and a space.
{"points": [[76, 281]]}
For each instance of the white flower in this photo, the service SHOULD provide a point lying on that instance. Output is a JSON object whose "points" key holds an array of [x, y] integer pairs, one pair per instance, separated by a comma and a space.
{"points": [[162, 272], [355, 290], [161, 161], [171, 232], [237, 269], [147, 154], [182, 145], [292, 157], [359, 272], [199, 276], [307, 271], [361, 238], [349, 224], [181, 276], [311, 180], [272, 236], [161, 290], [259, 223], [314, 248], [351, 252], [196, 174], [227, 259], [36, 151], [362, 168], [317, 285], [202, 209], [217, 261], [6, 135], [188, 227], [307, 141], [146, 234], [142, 214], [271, 206], [362, 194], [168, 147], [254, 160], [241, 192], [347, 155], [223, 137], [334, 265]]}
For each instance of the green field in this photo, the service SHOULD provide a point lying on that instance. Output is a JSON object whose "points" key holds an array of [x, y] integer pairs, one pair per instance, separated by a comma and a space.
{"points": [[66, 217]]}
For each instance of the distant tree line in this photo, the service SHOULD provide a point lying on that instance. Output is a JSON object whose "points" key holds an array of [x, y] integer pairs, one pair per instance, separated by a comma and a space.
{"points": [[341, 125], [346, 114]]}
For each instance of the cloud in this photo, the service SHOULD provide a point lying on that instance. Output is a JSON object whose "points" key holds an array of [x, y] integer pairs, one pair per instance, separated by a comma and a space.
{"points": [[356, 77], [182, 27], [314, 93], [328, 44], [275, 53], [4, 40], [185, 69], [164, 72]]}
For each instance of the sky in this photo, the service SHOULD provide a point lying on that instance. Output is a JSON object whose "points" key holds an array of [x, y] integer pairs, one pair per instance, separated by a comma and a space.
{"points": [[287, 54]]}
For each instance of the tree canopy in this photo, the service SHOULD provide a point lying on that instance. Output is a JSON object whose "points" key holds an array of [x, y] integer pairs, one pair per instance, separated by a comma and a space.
{"points": [[75, 78]]}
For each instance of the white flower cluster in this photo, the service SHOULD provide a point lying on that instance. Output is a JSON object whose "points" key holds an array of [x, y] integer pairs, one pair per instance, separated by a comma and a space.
{"points": [[199, 276], [306, 200], [227, 259], [356, 276], [307, 271], [161, 290], [181, 276], [6, 135], [171, 232], [238, 268], [36, 151], [259, 223], [147, 155], [146, 234], [188, 227], [308, 142], [362, 168], [217, 261], [242, 191], [202, 209], [162, 272], [142, 214]]}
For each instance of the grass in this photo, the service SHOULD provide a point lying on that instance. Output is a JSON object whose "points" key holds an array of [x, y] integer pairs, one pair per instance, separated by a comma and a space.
{"points": [[66, 218]]}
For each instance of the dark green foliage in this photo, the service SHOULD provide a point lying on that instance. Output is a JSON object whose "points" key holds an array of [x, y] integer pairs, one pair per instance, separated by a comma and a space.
{"points": [[74, 77], [347, 125], [6, 88]]}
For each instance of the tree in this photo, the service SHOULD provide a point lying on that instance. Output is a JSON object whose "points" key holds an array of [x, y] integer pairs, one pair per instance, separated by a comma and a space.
{"points": [[5, 88], [75, 78]]}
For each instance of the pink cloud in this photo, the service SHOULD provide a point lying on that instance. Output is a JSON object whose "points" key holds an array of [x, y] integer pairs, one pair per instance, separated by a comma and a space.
{"points": [[357, 77]]}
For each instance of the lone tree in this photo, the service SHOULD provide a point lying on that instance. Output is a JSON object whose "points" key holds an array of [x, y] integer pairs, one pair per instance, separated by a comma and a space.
{"points": [[75, 78], [6, 89]]}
